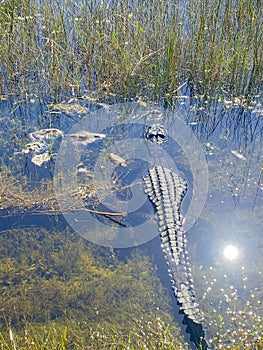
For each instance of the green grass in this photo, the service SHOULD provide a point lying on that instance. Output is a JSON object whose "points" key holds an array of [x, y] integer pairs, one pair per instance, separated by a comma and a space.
{"points": [[71, 335], [148, 335], [65, 48]]}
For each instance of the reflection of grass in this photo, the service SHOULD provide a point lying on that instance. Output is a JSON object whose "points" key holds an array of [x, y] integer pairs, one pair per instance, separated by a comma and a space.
{"points": [[51, 49]]}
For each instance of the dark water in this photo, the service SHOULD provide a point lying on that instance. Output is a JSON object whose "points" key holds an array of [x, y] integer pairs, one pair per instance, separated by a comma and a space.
{"points": [[225, 243]]}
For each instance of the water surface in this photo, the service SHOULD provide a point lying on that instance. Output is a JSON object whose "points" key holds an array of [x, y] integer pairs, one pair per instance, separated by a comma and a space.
{"points": [[225, 243]]}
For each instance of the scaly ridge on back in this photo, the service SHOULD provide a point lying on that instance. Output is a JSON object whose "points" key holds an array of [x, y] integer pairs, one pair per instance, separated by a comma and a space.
{"points": [[166, 190]]}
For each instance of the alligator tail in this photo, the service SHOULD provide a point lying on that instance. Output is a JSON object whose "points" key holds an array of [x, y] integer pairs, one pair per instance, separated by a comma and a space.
{"points": [[166, 190]]}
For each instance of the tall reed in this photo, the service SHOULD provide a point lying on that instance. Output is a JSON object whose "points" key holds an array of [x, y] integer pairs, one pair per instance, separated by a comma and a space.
{"points": [[130, 48]]}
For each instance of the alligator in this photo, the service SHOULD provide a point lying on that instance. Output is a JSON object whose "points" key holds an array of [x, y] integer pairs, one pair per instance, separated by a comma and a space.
{"points": [[166, 190]]}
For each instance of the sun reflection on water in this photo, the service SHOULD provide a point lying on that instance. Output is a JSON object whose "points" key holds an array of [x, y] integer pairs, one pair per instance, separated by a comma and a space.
{"points": [[231, 252]]}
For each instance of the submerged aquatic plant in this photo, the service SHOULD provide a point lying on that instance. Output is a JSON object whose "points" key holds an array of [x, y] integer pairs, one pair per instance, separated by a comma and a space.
{"points": [[55, 279]]}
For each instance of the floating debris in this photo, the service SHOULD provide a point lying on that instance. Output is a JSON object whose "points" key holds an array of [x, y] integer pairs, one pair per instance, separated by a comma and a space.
{"points": [[210, 146], [95, 101], [84, 170], [235, 102], [37, 147], [238, 155], [194, 123], [39, 159], [85, 137], [46, 134], [114, 158], [40, 147], [84, 174], [68, 108]]}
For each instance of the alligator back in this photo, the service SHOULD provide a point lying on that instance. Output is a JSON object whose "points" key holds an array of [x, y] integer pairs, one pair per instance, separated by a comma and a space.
{"points": [[166, 190]]}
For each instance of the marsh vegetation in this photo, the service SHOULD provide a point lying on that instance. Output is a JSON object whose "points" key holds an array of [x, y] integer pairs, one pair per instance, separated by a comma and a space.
{"points": [[59, 60], [151, 49]]}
